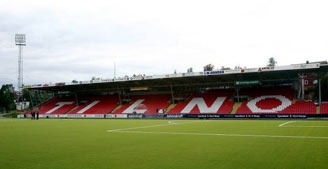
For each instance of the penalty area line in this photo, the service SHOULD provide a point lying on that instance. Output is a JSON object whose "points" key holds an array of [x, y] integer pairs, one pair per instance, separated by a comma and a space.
{"points": [[171, 122], [305, 126], [219, 134], [288, 122], [152, 126], [300, 126]]}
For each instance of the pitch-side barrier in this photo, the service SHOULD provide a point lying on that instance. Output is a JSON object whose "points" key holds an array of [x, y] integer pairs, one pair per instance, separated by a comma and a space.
{"points": [[178, 116]]}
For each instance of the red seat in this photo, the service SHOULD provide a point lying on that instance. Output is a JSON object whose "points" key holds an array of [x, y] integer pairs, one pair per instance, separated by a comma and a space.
{"points": [[324, 108], [209, 98], [97, 105], [53, 103], [146, 104], [267, 104]]}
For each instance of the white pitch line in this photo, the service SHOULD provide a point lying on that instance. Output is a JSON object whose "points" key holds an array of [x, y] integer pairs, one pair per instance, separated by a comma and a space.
{"points": [[160, 125], [281, 125], [229, 135], [171, 122], [304, 126]]}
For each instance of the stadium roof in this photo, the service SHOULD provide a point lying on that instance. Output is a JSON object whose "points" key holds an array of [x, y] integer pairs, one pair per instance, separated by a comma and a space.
{"points": [[265, 75]]}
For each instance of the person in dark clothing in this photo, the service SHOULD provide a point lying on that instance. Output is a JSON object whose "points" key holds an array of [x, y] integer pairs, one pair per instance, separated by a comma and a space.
{"points": [[37, 115], [33, 115]]}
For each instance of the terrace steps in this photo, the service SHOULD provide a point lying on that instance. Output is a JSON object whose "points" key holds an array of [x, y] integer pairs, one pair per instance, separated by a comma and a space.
{"points": [[171, 106], [235, 107]]}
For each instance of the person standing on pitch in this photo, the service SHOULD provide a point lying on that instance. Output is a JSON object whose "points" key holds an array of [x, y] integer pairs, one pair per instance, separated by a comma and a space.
{"points": [[37, 114], [33, 115]]}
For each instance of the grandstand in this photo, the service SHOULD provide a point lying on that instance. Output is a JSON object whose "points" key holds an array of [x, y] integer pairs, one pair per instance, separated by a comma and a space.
{"points": [[264, 90], [145, 104], [275, 100], [212, 102], [96, 105], [324, 108]]}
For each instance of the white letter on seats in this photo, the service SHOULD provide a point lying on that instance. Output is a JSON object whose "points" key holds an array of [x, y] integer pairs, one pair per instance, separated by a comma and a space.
{"points": [[88, 107], [133, 106], [199, 101], [60, 104], [285, 102]]}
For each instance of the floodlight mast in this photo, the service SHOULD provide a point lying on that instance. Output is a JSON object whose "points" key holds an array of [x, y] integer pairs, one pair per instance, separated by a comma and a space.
{"points": [[20, 41]]}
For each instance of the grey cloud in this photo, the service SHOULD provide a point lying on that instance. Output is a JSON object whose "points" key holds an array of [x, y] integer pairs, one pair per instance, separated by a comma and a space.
{"points": [[66, 42]]}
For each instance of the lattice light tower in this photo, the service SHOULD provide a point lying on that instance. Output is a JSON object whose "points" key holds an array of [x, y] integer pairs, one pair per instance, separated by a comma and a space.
{"points": [[20, 42]]}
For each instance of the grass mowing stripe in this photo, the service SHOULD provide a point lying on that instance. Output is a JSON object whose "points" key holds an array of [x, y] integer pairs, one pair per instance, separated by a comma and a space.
{"points": [[84, 143]]}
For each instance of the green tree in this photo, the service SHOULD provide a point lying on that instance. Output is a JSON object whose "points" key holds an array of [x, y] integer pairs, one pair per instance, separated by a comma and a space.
{"points": [[209, 67], [7, 97], [26, 95], [237, 67], [272, 62], [225, 68]]}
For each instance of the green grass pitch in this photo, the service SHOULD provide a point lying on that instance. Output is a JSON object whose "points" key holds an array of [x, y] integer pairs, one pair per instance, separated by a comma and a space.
{"points": [[104, 143]]}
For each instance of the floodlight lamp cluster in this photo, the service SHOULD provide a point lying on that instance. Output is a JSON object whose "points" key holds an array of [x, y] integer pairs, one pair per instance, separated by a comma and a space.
{"points": [[20, 39]]}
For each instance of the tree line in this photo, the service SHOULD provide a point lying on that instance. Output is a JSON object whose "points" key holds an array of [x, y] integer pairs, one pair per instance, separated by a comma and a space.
{"points": [[7, 98], [209, 67]]}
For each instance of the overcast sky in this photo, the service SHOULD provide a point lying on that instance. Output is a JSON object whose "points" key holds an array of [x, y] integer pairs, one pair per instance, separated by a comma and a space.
{"points": [[69, 39]]}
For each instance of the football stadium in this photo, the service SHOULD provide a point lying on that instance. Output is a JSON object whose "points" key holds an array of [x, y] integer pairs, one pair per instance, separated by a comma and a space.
{"points": [[241, 118], [125, 84]]}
